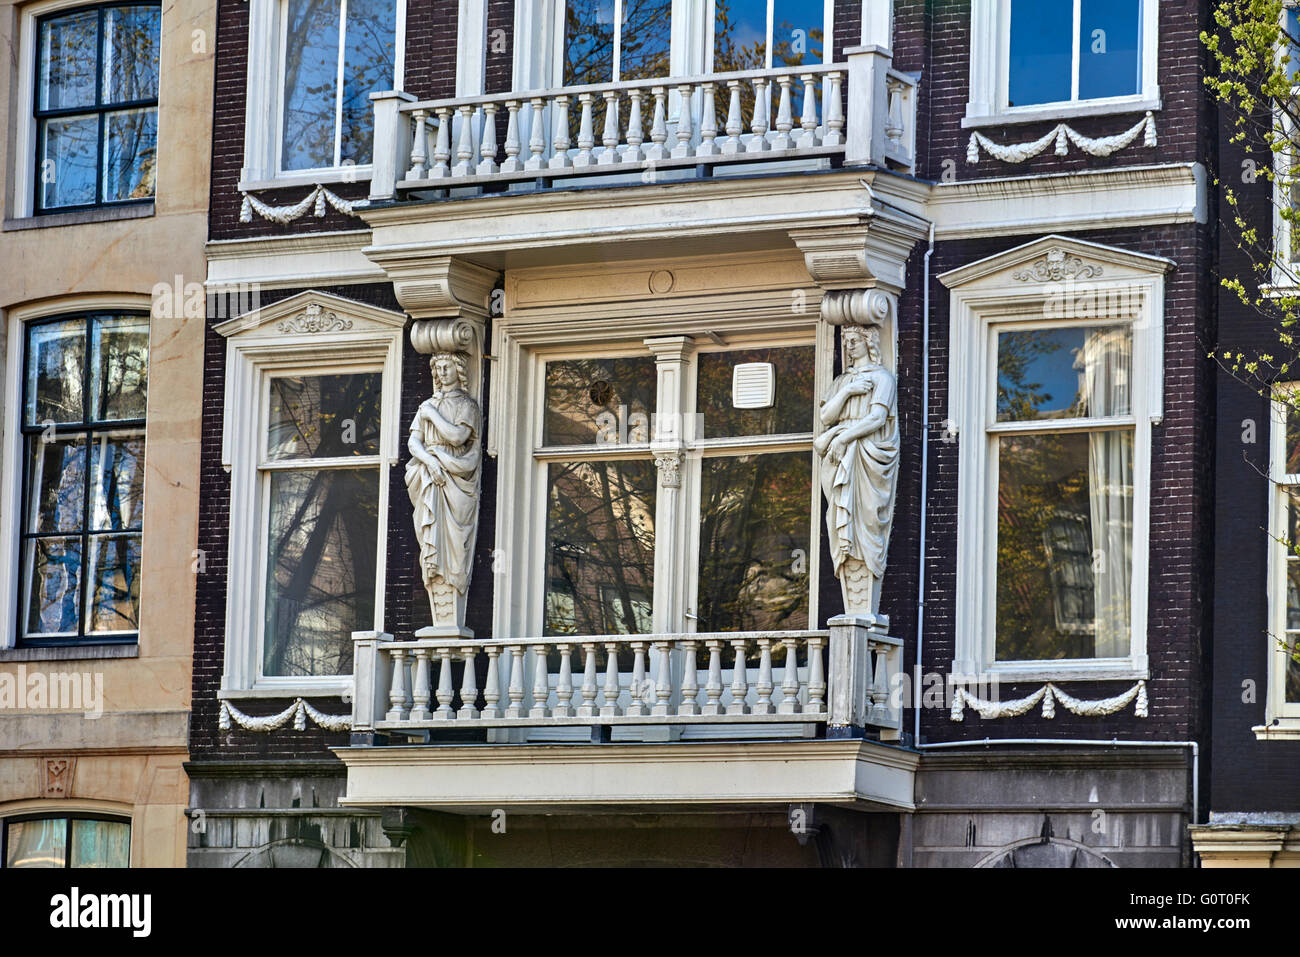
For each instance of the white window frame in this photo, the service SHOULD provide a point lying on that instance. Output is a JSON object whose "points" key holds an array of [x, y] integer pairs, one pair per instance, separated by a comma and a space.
{"points": [[364, 339], [990, 53], [1283, 279], [263, 123], [1002, 292], [1286, 714]]}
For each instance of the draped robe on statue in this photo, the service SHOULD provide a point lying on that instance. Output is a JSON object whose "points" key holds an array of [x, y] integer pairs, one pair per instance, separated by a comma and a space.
{"points": [[860, 488], [446, 516]]}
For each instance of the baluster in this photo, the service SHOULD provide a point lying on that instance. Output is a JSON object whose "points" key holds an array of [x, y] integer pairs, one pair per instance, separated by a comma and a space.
{"points": [[664, 680], [397, 689], [808, 121], [588, 706], [894, 115], [708, 123], [763, 705], [739, 680], [610, 707], [541, 684], [735, 121], [465, 145], [790, 686], [564, 684], [635, 136], [690, 679], [758, 142], [560, 152], [879, 714], [419, 145], [713, 687], [637, 706], [586, 132], [816, 676], [609, 136], [516, 690], [833, 111], [659, 128], [488, 147], [420, 685], [684, 133], [446, 691], [512, 163], [492, 686], [468, 685], [784, 116], [537, 137], [442, 146]]}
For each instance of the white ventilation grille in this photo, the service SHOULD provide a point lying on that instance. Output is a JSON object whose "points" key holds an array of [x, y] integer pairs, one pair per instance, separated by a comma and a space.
{"points": [[753, 385]]}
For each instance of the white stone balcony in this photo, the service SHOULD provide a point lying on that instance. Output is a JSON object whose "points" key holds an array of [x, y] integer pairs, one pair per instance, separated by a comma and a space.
{"points": [[859, 112]]}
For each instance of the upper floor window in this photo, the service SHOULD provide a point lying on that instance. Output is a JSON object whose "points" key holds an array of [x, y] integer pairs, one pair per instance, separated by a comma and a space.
{"points": [[67, 841], [1284, 559], [96, 106], [83, 421]]}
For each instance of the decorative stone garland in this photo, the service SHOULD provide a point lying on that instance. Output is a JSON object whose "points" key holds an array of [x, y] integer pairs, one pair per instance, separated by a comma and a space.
{"points": [[1049, 694], [317, 198], [1102, 146], [299, 712]]}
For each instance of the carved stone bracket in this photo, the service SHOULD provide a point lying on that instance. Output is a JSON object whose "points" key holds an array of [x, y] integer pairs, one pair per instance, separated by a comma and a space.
{"points": [[56, 776], [440, 287], [669, 465], [859, 307]]}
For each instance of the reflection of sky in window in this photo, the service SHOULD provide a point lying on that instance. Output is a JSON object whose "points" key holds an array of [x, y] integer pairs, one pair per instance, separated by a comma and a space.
{"points": [[1047, 371], [1041, 34], [1293, 34], [1115, 27], [790, 48]]}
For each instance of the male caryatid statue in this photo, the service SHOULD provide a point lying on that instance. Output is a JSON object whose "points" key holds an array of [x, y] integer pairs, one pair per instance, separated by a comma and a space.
{"points": [[442, 479], [859, 467]]}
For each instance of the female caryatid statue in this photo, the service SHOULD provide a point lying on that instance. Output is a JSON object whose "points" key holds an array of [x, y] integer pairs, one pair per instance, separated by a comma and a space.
{"points": [[442, 479], [859, 467]]}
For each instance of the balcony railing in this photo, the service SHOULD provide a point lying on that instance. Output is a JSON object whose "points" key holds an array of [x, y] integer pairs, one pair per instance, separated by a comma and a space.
{"points": [[858, 112], [410, 687]]}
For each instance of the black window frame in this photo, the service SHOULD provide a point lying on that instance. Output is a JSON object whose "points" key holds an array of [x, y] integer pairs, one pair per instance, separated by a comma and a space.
{"points": [[88, 427], [99, 109], [67, 817]]}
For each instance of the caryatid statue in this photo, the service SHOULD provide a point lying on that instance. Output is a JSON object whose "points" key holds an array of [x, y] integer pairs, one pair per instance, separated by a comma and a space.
{"points": [[859, 467], [442, 479]]}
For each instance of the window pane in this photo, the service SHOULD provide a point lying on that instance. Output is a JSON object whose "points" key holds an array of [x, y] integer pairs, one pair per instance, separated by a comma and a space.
{"points": [[311, 62], [1064, 547], [1292, 40], [54, 580], [1291, 409], [67, 72], [755, 530], [117, 481], [36, 843], [120, 371], [599, 401], [100, 844], [69, 153], [114, 600], [643, 42], [739, 35], [320, 582], [56, 483], [370, 45], [324, 416], [1042, 34], [130, 154], [1064, 373], [798, 32], [793, 408], [56, 357], [1292, 626], [1110, 56], [588, 41], [131, 53], [600, 535]]}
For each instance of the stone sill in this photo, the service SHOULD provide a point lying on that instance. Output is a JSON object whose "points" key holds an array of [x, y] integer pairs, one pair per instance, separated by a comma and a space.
{"points": [[1062, 112], [1284, 731], [102, 214], [299, 691], [85, 652]]}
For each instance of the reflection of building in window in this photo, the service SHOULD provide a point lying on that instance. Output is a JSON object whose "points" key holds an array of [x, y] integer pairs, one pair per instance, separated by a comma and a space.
{"points": [[623, 604], [1068, 543]]}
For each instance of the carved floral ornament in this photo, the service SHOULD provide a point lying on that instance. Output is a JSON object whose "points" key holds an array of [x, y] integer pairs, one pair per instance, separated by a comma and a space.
{"points": [[314, 319], [1057, 266]]}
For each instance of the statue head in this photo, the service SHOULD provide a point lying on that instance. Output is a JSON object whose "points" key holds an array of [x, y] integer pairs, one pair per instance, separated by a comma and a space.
{"points": [[449, 371], [860, 342]]}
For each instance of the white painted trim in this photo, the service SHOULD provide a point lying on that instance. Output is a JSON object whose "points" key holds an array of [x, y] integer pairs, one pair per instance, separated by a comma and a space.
{"points": [[290, 262], [986, 296], [471, 47], [255, 350], [1279, 482], [990, 32]]}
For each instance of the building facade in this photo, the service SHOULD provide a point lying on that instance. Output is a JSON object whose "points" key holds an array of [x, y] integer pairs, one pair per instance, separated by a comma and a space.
{"points": [[673, 432], [107, 120]]}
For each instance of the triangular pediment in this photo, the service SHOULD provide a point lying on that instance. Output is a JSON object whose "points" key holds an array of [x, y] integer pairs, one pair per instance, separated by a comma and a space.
{"points": [[312, 313], [1056, 259]]}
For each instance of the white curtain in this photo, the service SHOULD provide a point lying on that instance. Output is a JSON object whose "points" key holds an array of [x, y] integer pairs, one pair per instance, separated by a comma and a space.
{"points": [[1107, 358]]}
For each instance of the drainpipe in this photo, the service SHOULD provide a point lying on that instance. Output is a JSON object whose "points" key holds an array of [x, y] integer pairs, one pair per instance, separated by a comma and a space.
{"points": [[925, 471]]}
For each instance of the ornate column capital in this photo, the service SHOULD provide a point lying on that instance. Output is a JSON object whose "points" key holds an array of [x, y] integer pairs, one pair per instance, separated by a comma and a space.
{"points": [[859, 307]]}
